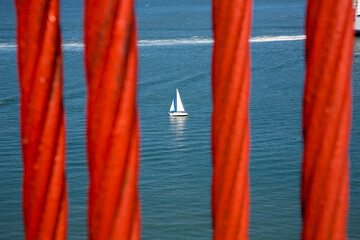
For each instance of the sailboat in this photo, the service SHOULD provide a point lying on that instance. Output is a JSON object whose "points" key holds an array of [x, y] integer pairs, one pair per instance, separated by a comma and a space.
{"points": [[357, 17], [177, 108]]}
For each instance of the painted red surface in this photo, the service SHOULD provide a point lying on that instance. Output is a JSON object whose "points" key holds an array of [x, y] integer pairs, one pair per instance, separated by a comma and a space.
{"points": [[230, 119], [42, 119], [326, 119], [112, 122]]}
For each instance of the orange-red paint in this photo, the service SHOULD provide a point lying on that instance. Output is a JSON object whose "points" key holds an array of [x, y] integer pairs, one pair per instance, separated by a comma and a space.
{"points": [[42, 119], [326, 119], [112, 122], [230, 119]]}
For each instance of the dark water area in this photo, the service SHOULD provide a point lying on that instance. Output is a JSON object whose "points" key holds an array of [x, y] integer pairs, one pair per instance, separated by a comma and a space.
{"points": [[175, 48]]}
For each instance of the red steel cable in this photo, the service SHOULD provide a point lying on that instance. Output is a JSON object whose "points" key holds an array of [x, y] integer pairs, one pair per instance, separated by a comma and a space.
{"points": [[230, 119], [112, 125], [327, 119], [42, 119]]}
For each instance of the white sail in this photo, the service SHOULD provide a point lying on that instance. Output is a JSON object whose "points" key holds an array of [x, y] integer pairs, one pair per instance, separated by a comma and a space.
{"points": [[177, 108], [172, 107], [179, 105]]}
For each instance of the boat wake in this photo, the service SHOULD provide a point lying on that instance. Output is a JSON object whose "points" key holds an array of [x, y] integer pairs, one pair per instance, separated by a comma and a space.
{"points": [[277, 38], [78, 46], [205, 41], [7, 45], [172, 42]]}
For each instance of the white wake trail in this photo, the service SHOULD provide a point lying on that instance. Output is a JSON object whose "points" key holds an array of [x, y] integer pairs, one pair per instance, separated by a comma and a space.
{"points": [[277, 38], [78, 46]]}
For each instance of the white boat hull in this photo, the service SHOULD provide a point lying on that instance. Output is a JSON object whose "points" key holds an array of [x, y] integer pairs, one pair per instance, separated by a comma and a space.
{"points": [[357, 17], [357, 25], [178, 114]]}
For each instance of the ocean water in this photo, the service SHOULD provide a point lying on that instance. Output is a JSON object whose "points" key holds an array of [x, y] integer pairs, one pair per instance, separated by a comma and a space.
{"points": [[175, 47]]}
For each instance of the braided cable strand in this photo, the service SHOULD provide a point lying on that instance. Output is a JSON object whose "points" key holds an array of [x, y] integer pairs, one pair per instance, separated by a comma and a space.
{"points": [[112, 123], [42, 119], [326, 119], [230, 119]]}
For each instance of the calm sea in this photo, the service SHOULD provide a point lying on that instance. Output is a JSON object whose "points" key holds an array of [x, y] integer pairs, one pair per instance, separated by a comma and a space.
{"points": [[175, 41]]}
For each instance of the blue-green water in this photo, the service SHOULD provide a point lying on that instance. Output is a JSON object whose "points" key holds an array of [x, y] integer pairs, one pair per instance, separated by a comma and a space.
{"points": [[175, 41]]}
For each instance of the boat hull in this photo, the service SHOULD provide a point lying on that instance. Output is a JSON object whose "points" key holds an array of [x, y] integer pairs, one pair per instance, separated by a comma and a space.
{"points": [[178, 114], [357, 23]]}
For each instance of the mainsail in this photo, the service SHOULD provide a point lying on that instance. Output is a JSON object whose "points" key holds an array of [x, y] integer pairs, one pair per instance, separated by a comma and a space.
{"points": [[179, 105]]}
